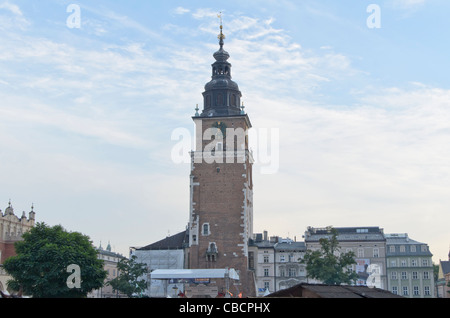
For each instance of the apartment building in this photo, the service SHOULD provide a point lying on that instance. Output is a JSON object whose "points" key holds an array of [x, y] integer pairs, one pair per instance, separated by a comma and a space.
{"points": [[368, 245], [409, 267]]}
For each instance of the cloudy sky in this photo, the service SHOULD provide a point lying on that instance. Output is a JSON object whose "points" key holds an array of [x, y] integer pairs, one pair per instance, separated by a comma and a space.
{"points": [[359, 96]]}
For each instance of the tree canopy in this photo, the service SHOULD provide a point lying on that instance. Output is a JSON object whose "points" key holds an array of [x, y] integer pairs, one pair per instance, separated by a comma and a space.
{"points": [[43, 266], [128, 281], [327, 264]]}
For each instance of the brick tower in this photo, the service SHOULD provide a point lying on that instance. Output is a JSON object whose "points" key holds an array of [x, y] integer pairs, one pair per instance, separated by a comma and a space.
{"points": [[221, 211]]}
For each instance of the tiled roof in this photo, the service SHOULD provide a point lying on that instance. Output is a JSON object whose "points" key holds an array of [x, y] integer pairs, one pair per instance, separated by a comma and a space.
{"points": [[445, 267], [333, 291], [174, 242]]}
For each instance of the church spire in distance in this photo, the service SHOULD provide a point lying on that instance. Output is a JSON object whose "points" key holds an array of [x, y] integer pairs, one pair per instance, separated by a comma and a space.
{"points": [[222, 96]]}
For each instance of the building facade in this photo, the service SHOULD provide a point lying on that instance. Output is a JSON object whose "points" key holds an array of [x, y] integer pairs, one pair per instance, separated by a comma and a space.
{"points": [[221, 185], [11, 229], [409, 267], [168, 253], [367, 243], [276, 263], [443, 282], [110, 261]]}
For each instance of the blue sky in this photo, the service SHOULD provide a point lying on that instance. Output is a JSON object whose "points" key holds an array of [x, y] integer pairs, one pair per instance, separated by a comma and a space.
{"points": [[87, 114]]}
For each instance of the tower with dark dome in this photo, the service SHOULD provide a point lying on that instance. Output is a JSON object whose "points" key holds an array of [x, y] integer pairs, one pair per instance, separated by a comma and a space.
{"points": [[222, 96], [221, 196]]}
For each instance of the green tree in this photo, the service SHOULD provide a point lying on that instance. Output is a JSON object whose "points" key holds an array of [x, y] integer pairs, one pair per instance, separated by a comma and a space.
{"points": [[128, 281], [44, 257], [328, 266]]}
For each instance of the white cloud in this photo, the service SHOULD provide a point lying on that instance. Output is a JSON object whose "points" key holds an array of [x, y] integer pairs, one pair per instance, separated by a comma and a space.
{"points": [[181, 10], [202, 13], [11, 7], [408, 7], [16, 21]]}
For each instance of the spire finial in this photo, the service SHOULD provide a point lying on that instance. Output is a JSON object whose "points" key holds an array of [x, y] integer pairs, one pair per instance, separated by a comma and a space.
{"points": [[221, 36], [196, 111]]}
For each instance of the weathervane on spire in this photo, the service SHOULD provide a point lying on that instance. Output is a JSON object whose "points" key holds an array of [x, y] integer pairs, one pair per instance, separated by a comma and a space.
{"points": [[221, 36]]}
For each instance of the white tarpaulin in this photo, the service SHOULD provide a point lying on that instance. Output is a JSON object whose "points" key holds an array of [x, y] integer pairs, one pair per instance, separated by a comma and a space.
{"points": [[194, 273]]}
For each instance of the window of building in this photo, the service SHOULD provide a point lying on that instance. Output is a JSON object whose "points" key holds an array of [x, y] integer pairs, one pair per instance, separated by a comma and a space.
{"points": [[282, 272], [393, 275], [415, 275], [414, 262], [404, 275], [266, 272], [206, 229], [376, 252], [416, 290], [267, 285], [360, 252], [392, 248], [413, 248], [393, 263], [219, 101], [405, 290], [424, 262], [402, 248], [403, 263], [233, 100], [426, 275], [282, 258], [251, 260], [266, 259], [292, 272], [395, 290], [427, 291]]}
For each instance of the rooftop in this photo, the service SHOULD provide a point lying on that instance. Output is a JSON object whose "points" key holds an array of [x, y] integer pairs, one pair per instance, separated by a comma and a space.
{"points": [[332, 291], [174, 242]]}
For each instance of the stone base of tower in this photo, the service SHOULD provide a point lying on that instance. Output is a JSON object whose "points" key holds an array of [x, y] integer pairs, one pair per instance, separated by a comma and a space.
{"points": [[218, 288], [244, 287], [248, 284]]}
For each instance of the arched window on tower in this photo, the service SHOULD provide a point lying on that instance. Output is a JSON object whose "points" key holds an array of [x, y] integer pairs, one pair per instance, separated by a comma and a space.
{"points": [[233, 100], [211, 252], [219, 100]]}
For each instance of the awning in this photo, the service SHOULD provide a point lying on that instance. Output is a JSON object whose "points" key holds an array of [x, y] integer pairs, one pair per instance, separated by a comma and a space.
{"points": [[193, 273]]}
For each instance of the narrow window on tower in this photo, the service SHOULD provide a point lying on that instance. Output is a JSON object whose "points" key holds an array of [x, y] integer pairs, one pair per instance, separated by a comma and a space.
{"points": [[233, 100], [219, 101], [206, 229]]}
